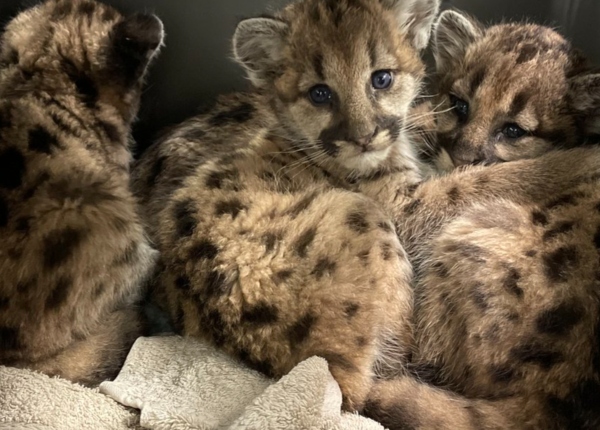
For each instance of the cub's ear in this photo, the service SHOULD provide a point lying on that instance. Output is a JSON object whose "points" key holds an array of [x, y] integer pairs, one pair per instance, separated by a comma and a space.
{"points": [[453, 33], [416, 17], [258, 45], [134, 43], [584, 97]]}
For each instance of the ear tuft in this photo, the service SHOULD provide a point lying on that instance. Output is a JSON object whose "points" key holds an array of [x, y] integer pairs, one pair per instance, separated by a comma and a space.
{"points": [[453, 33], [258, 45], [584, 96], [416, 17], [135, 41]]}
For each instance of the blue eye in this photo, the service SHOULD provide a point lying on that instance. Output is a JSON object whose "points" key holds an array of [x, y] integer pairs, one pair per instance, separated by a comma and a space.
{"points": [[382, 79], [320, 94]]}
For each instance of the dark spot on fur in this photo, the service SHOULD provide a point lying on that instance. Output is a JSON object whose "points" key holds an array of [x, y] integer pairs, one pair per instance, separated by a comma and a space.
{"points": [[86, 9], [129, 256], [156, 170], [9, 338], [59, 294], [518, 104], [395, 416], [260, 314], [318, 66], [12, 168], [597, 238], [536, 353], [185, 222], [215, 284], [60, 245], [385, 226], [480, 297], [412, 207], [531, 253], [560, 319], [323, 266], [468, 250], [183, 284], [215, 179], [440, 269], [301, 206], [511, 283], [85, 86], [270, 239], [203, 250], [557, 264], [539, 218], [283, 275], [351, 309], [363, 256], [579, 410], [110, 130], [502, 374], [61, 10], [300, 330], [231, 207], [477, 79], [260, 366], [304, 241], [4, 212], [428, 372], [361, 341], [566, 200], [386, 251], [560, 228], [454, 195], [238, 114], [357, 221], [527, 53], [215, 325], [41, 141]]}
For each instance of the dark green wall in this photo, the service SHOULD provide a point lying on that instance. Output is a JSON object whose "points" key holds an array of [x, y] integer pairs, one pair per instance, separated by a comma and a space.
{"points": [[195, 64]]}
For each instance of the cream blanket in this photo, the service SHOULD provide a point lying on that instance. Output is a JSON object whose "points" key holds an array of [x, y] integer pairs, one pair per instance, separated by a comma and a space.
{"points": [[176, 384]]}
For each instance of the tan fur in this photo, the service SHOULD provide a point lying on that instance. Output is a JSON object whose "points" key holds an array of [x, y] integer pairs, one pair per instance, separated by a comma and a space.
{"points": [[73, 255], [267, 251]]}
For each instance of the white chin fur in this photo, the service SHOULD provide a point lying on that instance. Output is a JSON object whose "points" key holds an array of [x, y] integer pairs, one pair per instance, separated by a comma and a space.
{"points": [[367, 161]]}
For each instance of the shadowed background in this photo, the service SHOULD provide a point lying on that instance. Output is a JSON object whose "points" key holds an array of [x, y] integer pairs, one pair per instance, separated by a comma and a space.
{"points": [[195, 65]]}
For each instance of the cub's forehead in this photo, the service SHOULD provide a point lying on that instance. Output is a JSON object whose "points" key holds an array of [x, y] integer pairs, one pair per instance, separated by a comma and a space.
{"points": [[512, 57], [358, 33], [526, 45]]}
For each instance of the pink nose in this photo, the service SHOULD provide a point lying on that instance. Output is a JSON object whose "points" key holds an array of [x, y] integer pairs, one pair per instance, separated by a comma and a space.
{"points": [[365, 141]]}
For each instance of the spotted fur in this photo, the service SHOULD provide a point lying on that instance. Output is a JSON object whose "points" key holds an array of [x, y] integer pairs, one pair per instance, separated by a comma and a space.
{"points": [[269, 253], [73, 254]]}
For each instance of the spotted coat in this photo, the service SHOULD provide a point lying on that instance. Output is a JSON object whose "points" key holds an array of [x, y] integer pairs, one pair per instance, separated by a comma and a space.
{"points": [[73, 254]]}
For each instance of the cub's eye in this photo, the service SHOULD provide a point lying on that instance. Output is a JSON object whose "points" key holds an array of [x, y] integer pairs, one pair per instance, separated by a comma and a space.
{"points": [[382, 79], [320, 94], [513, 131], [461, 107]]}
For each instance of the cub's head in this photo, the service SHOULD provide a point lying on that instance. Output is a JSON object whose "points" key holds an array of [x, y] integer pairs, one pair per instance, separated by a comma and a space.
{"points": [[511, 91], [341, 74], [81, 47]]}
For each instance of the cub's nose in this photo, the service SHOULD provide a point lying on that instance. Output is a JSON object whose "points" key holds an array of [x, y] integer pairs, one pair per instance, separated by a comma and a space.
{"points": [[365, 141]]}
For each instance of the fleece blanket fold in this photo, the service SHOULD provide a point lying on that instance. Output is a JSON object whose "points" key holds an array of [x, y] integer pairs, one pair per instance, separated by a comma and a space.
{"points": [[174, 383]]}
